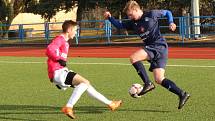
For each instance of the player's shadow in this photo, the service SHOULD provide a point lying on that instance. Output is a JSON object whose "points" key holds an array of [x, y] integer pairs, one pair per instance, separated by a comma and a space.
{"points": [[145, 110], [100, 109], [90, 109], [6, 110]]}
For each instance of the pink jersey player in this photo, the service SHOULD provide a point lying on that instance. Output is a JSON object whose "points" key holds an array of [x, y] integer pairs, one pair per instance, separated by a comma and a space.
{"points": [[63, 78], [57, 50]]}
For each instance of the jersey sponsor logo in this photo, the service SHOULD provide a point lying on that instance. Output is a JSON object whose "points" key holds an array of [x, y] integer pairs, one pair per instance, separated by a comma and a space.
{"points": [[144, 35], [64, 55], [146, 18], [57, 52], [67, 46]]}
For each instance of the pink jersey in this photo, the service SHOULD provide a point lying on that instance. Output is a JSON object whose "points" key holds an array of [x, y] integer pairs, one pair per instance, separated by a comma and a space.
{"points": [[57, 49]]}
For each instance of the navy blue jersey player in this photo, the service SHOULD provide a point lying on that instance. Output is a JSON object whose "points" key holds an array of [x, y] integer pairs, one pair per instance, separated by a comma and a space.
{"points": [[155, 49]]}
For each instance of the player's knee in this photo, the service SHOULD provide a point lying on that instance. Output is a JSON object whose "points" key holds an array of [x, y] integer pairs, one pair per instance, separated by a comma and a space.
{"points": [[87, 82], [133, 59], [159, 80], [78, 80]]}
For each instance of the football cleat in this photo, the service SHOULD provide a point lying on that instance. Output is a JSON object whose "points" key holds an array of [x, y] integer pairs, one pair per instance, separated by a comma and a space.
{"points": [[146, 88], [68, 111], [114, 105], [135, 96], [183, 99]]}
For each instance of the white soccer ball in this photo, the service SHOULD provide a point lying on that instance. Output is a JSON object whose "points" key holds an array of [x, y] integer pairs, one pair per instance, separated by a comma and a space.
{"points": [[135, 89]]}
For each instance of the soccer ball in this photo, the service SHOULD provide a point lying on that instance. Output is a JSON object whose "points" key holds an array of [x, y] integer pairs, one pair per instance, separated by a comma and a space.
{"points": [[135, 89]]}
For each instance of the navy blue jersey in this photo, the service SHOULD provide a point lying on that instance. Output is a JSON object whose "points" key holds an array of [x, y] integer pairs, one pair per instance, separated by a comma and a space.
{"points": [[147, 26]]}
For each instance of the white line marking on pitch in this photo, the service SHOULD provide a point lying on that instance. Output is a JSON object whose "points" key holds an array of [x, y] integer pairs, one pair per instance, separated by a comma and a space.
{"points": [[119, 64]]}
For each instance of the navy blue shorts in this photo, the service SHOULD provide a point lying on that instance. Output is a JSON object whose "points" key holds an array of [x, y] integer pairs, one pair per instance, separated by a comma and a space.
{"points": [[158, 55]]}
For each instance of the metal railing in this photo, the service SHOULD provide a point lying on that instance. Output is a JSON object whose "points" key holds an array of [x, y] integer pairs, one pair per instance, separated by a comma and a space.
{"points": [[102, 30]]}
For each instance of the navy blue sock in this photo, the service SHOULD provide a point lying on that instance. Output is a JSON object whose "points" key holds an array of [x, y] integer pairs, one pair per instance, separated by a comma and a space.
{"points": [[171, 86], [141, 71]]}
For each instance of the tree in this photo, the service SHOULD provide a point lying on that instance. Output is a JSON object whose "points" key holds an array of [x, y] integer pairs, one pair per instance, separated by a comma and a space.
{"points": [[9, 10], [48, 8]]}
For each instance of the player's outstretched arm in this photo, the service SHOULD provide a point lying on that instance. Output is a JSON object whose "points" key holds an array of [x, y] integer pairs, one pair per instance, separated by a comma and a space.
{"points": [[168, 14], [117, 24]]}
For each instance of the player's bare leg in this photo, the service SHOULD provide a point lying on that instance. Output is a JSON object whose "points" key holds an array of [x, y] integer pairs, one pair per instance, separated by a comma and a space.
{"points": [[171, 86], [136, 60], [81, 85], [113, 105]]}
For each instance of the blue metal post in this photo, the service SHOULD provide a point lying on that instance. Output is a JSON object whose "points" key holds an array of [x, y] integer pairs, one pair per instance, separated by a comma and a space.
{"points": [[110, 31], [77, 36], [1, 30], [188, 26], [180, 31], [46, 25], [182, 28], [107, 30], [21, 32]]}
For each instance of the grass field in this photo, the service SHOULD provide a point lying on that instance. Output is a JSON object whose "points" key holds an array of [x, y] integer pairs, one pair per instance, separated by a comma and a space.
{"points": [[27, 94]]}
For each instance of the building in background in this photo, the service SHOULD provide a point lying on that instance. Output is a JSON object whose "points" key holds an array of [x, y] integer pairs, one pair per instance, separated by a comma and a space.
{"points": [[29, 18]]}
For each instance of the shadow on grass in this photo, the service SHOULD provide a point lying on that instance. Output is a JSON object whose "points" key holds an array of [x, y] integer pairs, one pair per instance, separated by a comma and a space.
{"points": [[145, 110], [98, 109], [19, 119], [39, 109], [6, 110]]}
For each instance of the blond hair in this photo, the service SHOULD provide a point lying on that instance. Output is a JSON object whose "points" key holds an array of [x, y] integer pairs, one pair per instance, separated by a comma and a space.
{"points": [[130, 5]]}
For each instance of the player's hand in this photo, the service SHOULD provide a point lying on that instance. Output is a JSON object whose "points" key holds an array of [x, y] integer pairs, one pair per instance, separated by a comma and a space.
{"points": [[172, 26], [62, 62], [107, 14]]}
